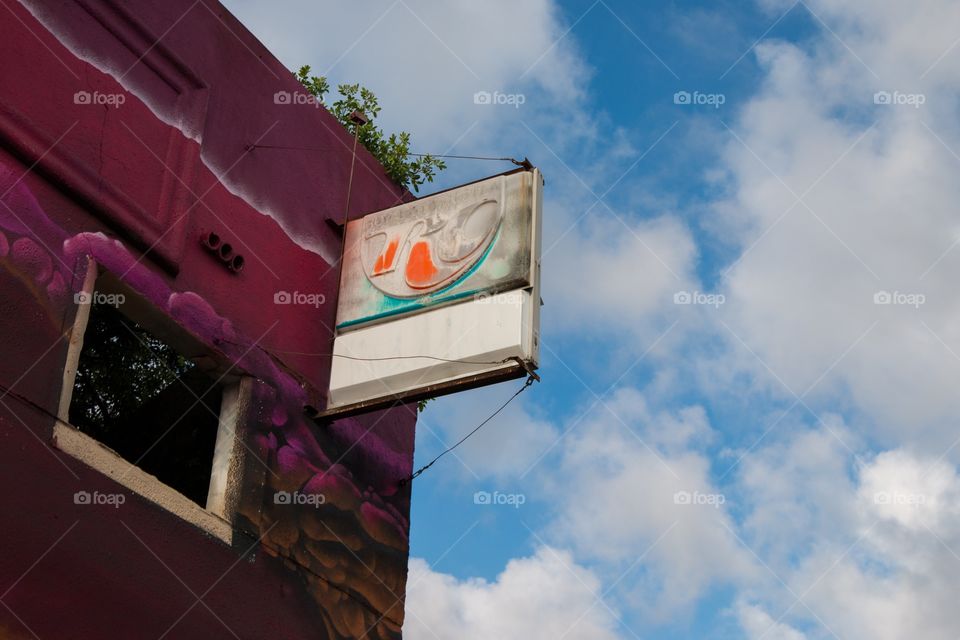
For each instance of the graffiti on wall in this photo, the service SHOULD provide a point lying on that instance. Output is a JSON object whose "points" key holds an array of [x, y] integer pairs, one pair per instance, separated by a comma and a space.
{"points": [[349, 542]]}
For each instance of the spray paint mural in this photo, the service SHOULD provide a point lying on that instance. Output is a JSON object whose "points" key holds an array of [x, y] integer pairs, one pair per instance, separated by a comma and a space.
{"points": [[114, 184]]}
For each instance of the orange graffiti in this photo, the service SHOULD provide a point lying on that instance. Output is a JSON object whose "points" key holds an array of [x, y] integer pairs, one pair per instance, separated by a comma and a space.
{"points": [[420, 267], [385, 259]]}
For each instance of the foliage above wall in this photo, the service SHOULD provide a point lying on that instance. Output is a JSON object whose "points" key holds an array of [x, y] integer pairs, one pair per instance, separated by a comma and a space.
{"points": [[393, 152]]}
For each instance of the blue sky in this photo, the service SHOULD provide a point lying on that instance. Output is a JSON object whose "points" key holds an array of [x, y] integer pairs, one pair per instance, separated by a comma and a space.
{"points": [[807, 407]]}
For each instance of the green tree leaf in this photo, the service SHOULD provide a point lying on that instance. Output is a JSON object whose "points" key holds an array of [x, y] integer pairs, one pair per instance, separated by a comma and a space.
{"points": [[392, 152]]}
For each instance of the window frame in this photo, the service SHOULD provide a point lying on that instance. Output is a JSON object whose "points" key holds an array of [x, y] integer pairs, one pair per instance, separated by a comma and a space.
{"points": [[216, 517]]}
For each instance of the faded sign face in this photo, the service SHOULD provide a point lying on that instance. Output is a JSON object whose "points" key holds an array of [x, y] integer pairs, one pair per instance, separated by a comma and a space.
{"points": [[410, 257], [470, 240]]}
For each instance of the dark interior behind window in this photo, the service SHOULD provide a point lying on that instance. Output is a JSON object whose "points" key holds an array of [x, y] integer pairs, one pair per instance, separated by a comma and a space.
{"points": [[153, 406]]}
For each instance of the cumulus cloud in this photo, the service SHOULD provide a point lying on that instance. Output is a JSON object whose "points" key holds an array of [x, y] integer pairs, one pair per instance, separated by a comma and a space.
{"points": [[911, 493], [545, 596], [836, 198], [622, 271], [757, 624], [504, 449], [841, 183], [892, 575], [798, 490], [639, 501], [852, 550]]}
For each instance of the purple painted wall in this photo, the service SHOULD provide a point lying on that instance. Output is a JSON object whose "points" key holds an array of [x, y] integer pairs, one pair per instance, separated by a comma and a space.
{"points": [[132, 182]]}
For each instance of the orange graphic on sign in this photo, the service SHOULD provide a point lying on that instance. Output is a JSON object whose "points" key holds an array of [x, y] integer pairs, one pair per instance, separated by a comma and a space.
{"points": [[385, 260], [420, 267], [422, 247]]}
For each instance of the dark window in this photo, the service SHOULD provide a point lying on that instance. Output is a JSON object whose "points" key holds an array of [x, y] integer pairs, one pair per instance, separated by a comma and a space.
{"points": [[153, 406]]}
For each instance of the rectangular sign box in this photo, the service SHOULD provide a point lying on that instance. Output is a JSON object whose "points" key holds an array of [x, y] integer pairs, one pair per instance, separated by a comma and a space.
{"points": [[439, 294], [453, 245]]}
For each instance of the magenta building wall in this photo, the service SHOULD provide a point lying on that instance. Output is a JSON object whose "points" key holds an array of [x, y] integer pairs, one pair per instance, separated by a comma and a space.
{"points": [[133, 183]]}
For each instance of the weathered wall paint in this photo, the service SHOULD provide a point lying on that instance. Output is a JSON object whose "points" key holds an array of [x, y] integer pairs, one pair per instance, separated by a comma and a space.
{"points": [[183, 80], [120, 184]]}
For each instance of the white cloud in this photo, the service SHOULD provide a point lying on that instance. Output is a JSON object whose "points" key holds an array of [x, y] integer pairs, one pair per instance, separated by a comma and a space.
{"points": [[634, 478], [622, 274], [546, 596], [879, 181], [798, 490], [892, 575], [913, 493], [757, 624], [867, 545], [426, 60], [503, 449], [867, 551]]}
